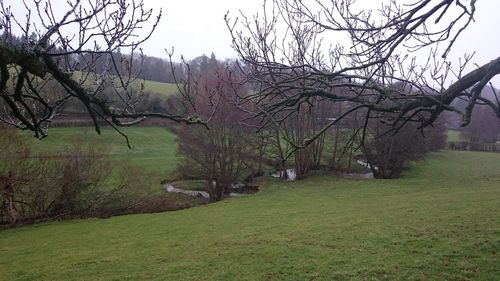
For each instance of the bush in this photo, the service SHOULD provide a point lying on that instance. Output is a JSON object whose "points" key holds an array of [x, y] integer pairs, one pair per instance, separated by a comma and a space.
{"points": [[41, 185], [388, 154]]}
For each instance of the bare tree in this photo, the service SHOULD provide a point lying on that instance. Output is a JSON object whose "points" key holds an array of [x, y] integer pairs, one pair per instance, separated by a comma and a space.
{"points": [[391, 63], [301, 125], [88, 45], [484, 126], [227, 152]]}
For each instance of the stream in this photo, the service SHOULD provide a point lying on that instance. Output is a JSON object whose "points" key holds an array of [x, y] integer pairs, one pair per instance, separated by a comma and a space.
{"points": [[199, 193]]}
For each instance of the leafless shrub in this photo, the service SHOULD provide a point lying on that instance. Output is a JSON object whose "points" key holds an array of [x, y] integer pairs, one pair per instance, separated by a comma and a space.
{"points": [[388, 154], [47, 186], [224, 153]]}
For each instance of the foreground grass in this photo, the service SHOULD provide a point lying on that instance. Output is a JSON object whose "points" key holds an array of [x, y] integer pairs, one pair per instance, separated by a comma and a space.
{"points": [[440, 222]]}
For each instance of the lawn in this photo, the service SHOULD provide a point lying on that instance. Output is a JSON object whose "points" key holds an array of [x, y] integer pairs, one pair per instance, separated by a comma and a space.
{"points": [[440, 222]]}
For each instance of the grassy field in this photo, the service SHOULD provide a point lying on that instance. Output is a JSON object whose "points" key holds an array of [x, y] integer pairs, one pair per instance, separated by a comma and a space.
{"points": [[154, 149], [154, 87], [440, 222], [454, 135], [160, 88]]}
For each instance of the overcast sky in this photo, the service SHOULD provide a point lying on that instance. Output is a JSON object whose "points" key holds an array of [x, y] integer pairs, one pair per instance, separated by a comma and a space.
{"points": [[196, 27]]}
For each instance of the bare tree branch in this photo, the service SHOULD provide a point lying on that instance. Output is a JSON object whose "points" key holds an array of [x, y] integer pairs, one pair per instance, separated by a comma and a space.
{"points": [[393, 60]]}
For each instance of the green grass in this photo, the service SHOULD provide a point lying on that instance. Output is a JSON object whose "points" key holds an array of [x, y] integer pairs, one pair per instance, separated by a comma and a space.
{"points": [[440, 222], [154, 149], [154, 87], [454, 135], [160, 88]]}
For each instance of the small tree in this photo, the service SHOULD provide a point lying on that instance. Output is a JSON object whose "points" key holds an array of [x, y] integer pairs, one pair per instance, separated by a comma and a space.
{"points": [[222, 154], [301, 125]]}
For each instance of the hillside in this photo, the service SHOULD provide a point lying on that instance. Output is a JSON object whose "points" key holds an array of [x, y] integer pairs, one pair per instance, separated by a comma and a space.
{"points": [[154, 87], [160, 88], [440, 222]]}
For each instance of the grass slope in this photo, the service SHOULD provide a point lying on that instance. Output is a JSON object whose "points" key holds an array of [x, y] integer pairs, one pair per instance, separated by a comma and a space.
{"points": [[440, 222], [160, 88], [154, 87]]}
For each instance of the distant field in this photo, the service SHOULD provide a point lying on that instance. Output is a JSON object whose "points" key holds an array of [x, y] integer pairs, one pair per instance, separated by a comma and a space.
{"points": [[440, 222], [454, 135], [158, 88], [154, 149]]}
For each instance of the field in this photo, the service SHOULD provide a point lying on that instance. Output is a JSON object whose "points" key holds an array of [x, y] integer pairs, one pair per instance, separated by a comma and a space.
{"points": [[154, 87], [454, 135], [440, 222], [154, 149], [160, 88]]}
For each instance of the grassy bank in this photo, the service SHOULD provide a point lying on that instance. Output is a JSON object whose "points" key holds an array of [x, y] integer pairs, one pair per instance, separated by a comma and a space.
{"points": [[439, 222]]}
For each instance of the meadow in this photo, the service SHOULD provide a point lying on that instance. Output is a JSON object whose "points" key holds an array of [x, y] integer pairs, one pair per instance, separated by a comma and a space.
{"points": [[160, 88], [454, 136], [157, 88], [439, 222], [153, 148]]}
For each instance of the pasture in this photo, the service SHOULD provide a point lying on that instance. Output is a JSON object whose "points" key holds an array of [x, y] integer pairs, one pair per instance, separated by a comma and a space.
{"points": [[153, 151], [157, 88]]}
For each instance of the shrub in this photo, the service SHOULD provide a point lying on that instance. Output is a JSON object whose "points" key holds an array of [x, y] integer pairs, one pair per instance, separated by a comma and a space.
{"points": [[50, 185]]}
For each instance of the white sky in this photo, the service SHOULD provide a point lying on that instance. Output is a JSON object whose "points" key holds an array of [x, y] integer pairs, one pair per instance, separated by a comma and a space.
{"points": [[196, 27]]}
